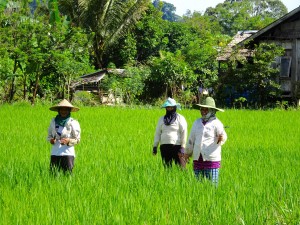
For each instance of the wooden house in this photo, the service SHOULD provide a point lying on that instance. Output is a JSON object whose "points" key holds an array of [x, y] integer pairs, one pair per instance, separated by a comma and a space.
{"points": [[91, 83], [284, 32], [237, 39]]}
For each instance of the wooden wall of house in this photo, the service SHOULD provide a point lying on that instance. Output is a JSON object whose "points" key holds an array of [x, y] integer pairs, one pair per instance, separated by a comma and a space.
{"points": [[287, 34], [296, 68], [288, 30], [297, 53]]}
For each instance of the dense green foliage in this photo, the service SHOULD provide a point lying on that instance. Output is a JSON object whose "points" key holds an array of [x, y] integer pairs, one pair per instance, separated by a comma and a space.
{"points": [[168, 9], [259, 86], [107, 19], [47, 46], [116, 179], [245, 15], [39, 58]]}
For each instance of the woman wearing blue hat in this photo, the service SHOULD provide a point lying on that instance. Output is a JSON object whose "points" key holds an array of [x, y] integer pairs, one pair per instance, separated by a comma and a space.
{"points": [[171, 134], [205, 141]]}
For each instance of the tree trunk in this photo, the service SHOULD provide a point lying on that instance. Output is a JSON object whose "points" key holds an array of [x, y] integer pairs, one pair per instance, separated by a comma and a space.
{"points": [[68, 87], [166, 95], [98, 49], [37, 78], [12, 90], [24, 89]]}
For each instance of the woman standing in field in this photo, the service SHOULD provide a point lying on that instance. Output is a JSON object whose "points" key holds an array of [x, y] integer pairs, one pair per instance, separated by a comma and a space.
{"points": [[171, 134], [63, 134], [205, 140]]}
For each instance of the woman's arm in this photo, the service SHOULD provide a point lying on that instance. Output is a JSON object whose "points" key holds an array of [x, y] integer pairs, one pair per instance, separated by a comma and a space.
{"points": [[158, 132], [75, 133], [191, 141], [184, 131], [221, 133]]}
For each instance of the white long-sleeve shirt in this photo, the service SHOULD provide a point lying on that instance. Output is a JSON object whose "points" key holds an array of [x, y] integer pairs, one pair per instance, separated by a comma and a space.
{"points": [[175, 133], [71, 130], [203, 139]]}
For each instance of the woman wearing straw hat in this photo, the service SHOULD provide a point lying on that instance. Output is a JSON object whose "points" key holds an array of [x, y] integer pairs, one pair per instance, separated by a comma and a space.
{"points": [[171, 134], [205, 140], [63, 134]]}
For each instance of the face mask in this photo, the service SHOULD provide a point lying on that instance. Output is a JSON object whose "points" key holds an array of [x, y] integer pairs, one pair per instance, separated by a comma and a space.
{"points": [[207, 116]]}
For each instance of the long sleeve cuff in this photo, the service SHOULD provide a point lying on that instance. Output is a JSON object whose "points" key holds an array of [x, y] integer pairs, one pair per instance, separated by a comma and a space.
{"points": [[73, 142]]}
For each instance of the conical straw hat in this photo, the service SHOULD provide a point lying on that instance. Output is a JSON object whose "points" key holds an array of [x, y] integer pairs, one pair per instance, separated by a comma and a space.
{"points": [[64, 103]]}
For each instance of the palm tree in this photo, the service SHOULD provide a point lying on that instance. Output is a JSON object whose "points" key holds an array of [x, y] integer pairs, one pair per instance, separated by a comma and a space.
{"points": [[108, 20]]}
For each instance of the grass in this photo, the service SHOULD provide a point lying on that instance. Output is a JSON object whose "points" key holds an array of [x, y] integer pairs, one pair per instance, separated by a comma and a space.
{"points": [[116, 179]]}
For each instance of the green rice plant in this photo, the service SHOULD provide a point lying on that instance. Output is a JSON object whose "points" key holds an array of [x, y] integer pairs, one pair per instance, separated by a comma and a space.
{"points": [[116, 179]]}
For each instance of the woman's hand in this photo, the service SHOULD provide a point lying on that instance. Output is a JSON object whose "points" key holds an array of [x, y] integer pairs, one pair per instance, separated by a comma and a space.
{"points": [[220, 138], [154, 150], [181, 152], [64, 141], [184, 159], [186, 156], [52, 141]]}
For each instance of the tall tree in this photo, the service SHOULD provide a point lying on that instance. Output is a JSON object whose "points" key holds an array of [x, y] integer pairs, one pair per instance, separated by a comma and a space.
{"points": [[168, 9], [107, 19], [246, 14], [146, 38], [169, 73], [19, 40]]}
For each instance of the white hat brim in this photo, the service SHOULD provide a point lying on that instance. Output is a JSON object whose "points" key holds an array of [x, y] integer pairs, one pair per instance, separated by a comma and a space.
{"points": [[211, 107]]}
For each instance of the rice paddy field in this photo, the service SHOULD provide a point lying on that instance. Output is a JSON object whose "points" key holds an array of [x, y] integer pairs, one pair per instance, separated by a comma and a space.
{"points": [[117, 180]]}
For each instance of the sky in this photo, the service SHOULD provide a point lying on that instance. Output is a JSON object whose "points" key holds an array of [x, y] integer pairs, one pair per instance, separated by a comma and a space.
{"points": [[201, 5]]}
